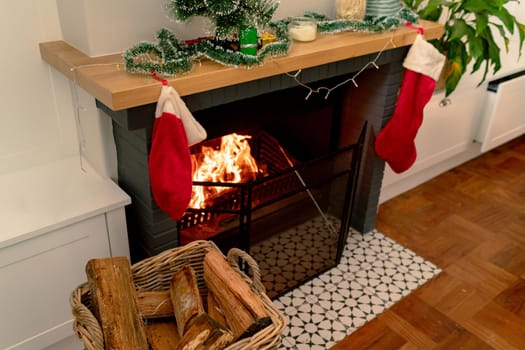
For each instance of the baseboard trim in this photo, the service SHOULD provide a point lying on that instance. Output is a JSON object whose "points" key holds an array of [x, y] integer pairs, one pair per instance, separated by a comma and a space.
{"points": [[407, 183], [45, 338]]}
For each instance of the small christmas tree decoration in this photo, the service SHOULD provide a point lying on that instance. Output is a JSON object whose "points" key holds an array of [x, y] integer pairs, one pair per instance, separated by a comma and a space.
{"points": [[222, 7], [229, 16]]}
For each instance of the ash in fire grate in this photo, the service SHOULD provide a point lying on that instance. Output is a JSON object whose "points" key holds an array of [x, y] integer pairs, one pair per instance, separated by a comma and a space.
{"points": [[304, 206]]}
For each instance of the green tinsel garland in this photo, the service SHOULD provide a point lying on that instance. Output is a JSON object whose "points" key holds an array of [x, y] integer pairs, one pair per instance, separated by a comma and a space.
{"points": [[326, 25], [170, 57]]}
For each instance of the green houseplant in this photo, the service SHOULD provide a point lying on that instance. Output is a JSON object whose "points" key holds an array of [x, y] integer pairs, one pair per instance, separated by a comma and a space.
{"points": [[469, 36]]}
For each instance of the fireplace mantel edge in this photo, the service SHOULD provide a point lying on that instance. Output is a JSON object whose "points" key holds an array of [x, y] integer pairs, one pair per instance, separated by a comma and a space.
{"points": [[105, 79]]}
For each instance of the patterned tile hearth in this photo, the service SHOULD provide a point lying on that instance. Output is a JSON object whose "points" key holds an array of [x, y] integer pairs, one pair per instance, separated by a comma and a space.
{"points": [[290, 257], [374, 273]]}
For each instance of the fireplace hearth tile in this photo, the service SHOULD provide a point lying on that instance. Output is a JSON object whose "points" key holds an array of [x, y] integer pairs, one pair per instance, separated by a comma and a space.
{"points": [[295, 255], [374, 273]]}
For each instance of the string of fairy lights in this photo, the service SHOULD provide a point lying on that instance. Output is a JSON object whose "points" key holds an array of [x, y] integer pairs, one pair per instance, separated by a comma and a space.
{"points": [[352, 79]]}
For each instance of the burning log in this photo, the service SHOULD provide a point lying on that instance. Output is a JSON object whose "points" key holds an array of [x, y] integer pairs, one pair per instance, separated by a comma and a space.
{"points": [[244, 312], [115, 303], [231, 162]]}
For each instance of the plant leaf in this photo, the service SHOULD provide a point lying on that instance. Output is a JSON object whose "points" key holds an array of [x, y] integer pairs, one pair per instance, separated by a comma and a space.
{"points": [[482, 22], [503, 35], [493, 51], [479, 6], [432, 11], [475, 45], [456, 72], [521, 30], [458, 58], [506, 18], [458, 30], [485, 73]]}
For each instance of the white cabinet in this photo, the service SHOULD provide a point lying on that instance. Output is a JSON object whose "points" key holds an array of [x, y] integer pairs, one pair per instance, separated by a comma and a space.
{"points": [[445, 139], [503, 117], [54, 218]]}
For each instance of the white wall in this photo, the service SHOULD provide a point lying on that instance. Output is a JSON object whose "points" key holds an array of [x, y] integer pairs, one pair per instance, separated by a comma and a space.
{"points": [[35, 105], [289, 8], [38, 106]]}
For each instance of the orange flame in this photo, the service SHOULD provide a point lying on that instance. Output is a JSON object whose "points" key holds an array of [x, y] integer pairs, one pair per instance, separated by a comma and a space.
{"points": [[232, 162]]}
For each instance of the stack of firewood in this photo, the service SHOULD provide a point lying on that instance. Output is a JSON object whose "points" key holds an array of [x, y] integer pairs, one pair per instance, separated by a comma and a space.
{"points": [[178, 318]]}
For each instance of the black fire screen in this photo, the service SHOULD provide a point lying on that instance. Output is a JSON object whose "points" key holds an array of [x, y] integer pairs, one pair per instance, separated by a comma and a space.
{"points": [[293, 218]]}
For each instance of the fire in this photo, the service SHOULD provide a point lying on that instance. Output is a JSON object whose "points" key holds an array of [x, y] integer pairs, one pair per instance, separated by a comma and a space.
{"points": [[231, 162]]}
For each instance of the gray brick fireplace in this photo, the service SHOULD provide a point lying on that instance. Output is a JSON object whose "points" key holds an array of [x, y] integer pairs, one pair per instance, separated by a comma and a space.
{"points": [[313, 127]]}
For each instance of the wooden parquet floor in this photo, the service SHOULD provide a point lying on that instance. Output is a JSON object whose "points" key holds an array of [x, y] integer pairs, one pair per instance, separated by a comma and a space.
{"points": [[469, 221]]}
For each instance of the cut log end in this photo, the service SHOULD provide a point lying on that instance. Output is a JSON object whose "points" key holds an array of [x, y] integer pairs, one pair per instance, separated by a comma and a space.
{"points": [[244, 312], [185, 297]]}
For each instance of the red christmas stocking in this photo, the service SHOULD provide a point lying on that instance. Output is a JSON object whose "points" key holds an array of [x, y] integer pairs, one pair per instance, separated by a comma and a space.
{"points": [[395, 142], [169, 162]]}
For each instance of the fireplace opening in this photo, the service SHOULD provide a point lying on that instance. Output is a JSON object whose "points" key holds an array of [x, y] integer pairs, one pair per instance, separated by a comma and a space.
{"points": [[292, 212], [307, 130]]}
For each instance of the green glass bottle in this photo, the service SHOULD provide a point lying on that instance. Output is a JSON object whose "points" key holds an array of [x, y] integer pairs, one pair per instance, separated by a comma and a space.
{"points": [[248, 40]]}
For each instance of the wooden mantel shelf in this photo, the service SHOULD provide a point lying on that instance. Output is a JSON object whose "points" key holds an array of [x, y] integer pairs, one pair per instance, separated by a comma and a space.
{"points": [[104, 77]]}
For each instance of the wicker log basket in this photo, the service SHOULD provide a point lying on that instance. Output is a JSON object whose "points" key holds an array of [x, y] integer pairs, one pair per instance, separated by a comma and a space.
{"points": [[155, 273]]}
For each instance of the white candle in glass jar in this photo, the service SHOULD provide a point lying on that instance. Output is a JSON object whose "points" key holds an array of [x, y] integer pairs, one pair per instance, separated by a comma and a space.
{"points": [[303, 29]]}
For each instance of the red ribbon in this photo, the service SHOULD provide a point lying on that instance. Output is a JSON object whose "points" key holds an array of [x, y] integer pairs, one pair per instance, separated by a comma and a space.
{"points": [[163, 81], [418, 28]]}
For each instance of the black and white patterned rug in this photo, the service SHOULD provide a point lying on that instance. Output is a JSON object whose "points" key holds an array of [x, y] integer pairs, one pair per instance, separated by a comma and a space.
{"points": [[374, 273]]}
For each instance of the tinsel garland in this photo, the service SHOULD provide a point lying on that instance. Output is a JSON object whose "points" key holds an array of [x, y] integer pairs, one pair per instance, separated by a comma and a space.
{"points": [[372, 24], [170, 57], [167, 57]]}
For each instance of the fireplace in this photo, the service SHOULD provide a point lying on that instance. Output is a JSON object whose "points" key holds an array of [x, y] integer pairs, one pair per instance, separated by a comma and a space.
{"points": [[327, 143], [290, 215]]}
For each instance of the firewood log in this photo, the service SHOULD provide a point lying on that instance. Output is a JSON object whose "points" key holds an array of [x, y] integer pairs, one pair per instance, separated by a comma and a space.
{"points": [[114, 300], [244, 312], [185, 297], [154, 304], [205, 334], [214, 310], [162, 335]]}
